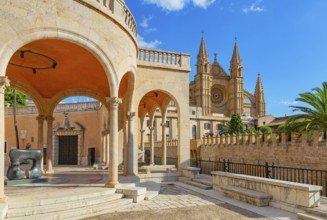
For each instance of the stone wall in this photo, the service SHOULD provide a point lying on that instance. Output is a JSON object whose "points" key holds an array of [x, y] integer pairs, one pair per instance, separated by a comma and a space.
{"points": [[171, 148], [300, 150]]}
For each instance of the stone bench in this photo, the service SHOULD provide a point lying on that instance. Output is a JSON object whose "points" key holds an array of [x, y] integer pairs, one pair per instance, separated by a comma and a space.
{"points": [[246, 195], [191, 172], [158, 168], [294, 195]]}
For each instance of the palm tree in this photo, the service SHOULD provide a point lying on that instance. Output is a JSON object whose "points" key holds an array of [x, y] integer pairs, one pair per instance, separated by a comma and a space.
{"points": [[314, 112]]}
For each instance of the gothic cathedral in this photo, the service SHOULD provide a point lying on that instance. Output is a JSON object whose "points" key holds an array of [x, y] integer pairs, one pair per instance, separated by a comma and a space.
{"points": [[220, 94]]}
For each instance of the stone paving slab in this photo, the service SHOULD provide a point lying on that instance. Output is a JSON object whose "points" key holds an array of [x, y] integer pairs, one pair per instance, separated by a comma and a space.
{"points": [[175, 202]]}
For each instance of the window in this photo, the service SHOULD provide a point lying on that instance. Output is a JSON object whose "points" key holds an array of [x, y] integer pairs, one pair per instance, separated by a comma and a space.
{"points": [[193, 112], [207, 126], [167, 124], [148, 123], [194, 132]]}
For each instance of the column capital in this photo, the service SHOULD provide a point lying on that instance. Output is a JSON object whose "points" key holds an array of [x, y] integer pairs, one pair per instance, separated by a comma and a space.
{"points": [[40, 118], [130, 115], [163, 124], [4, 82], [113, 101], [151, 128], [142, 130], [49, 118]]}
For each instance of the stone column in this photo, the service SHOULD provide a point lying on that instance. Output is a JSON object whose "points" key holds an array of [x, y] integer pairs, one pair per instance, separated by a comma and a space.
{"points": [[142, 144], [40, 120], [103, 148], [113, 151], [49, 169], [132, 164], [107, 146], [151, 146], [4, 82], [164, 144]]}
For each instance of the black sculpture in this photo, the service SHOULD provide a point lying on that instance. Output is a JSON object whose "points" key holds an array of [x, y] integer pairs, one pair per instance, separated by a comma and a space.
{"points": [[18, 157]]}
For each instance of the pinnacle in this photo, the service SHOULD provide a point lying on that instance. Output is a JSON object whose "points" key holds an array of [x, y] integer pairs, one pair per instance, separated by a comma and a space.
{"points": [[203, 50], [236, 58]]}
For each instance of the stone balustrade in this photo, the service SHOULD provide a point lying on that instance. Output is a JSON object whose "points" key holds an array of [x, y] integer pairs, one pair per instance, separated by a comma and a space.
{"points": [[69, 107], [164, 59], [158, 144], [116, 9]]}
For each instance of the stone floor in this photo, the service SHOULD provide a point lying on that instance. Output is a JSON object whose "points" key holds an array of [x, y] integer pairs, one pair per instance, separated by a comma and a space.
{"points": [[175, 201]]}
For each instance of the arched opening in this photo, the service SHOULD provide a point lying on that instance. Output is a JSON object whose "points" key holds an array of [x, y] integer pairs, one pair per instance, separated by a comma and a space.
{"points": [[79, 131], [53, 69], [194, 132], [161, 128]]}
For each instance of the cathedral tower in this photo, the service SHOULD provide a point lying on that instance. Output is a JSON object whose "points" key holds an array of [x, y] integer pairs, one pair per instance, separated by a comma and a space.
{"points": [[236, 83], [259, 98], [203, 80]]}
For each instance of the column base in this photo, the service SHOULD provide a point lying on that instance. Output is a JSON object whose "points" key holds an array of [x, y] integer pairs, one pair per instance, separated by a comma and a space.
{"points": [[3, 199], [112, 184], [49, 172]]}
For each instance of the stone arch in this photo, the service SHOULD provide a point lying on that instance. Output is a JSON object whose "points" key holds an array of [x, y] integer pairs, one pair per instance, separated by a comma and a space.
{"points": [[250, 97], [26, 37], [75, 92], [131, 73], [29, 91]]}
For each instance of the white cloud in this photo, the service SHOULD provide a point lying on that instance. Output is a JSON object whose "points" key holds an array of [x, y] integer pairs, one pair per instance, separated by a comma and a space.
{"points": [[170, 5], [151, 45], [145, 22], [254, 7], [176, 5], [287, 102], [203, 3]]}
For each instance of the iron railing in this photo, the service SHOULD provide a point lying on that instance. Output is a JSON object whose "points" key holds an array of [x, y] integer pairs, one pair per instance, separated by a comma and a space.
{"points": [[292, 174]]}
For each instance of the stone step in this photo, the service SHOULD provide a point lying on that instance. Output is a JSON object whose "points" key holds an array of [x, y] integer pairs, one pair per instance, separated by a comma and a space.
{"points": [[183, 179], [59, 207], [150, 195], [79, 213], [202, 181], [199, 185], [306, 216], [317, 211], [59, 198]]}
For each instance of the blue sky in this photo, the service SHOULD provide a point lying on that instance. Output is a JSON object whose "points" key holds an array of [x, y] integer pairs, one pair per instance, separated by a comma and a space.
{"points": [[284, 40]]}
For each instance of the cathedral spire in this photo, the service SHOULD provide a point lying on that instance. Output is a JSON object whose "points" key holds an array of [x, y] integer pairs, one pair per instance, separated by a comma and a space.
{"points": [[203, 58], [259, 98], [258, 86], [236, 66]]}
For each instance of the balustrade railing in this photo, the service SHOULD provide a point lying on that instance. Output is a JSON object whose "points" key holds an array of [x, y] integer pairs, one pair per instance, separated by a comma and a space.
{"points": [[69, 107], [164, 57], [119, 9]]}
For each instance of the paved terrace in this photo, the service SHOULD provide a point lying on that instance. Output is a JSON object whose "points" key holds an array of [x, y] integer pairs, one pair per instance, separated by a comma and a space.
{"points": [[175, 201]]}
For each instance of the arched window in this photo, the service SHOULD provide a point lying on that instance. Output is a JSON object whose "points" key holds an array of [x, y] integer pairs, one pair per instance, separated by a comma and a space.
{"points": [[194, 132]]}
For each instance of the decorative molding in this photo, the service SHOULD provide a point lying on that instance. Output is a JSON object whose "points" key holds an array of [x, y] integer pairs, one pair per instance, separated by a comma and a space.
{"points": [[4, 82], [114, 101]]}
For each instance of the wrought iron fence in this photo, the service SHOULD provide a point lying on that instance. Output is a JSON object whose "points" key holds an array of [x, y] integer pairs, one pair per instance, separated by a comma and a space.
{"points": [[292, 174]]}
